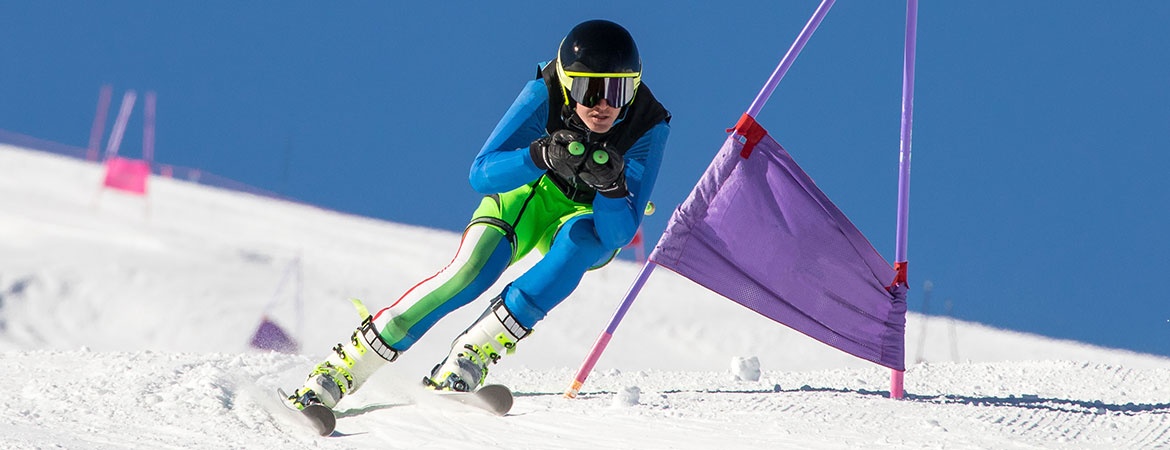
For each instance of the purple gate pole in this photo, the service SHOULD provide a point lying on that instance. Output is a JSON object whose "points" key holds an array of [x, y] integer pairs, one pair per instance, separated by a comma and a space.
{"points": [[99, 122], [900, 260], [148, 128], [753, 110], [790, 57], [120, 124]]}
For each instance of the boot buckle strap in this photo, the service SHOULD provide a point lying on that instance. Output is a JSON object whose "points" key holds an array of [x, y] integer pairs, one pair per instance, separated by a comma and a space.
{"points": [[375, 342], [509, 321]]}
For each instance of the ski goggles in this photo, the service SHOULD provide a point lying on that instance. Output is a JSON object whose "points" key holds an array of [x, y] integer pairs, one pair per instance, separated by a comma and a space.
{"points": [[588, 89]]}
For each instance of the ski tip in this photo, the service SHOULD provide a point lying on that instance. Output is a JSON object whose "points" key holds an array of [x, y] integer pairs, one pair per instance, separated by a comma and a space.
{"points": [[495, 389], [498, 396], [493, 398], [322, 418], [319, 416]]}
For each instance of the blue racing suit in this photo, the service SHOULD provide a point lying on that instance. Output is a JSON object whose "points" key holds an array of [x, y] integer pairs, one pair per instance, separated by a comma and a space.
{"points": [[522, 211]]}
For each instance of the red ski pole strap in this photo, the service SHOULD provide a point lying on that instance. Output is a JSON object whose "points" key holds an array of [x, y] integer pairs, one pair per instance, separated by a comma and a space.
{"points": [[751, 131]]}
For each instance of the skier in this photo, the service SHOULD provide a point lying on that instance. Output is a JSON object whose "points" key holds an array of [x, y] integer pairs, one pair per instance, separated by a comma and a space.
{"points": [[567, 172]]}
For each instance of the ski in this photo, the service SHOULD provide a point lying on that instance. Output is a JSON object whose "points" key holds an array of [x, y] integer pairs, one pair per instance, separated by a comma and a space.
{"points": [[320, 417], [493, 398]]}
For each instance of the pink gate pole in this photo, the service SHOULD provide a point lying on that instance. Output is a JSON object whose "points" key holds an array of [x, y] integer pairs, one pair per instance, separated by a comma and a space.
{"points": [[753, 110], [603, 340]]}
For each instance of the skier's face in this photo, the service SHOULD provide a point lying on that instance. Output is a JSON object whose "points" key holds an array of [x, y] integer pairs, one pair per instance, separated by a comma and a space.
{"points": [[600, 117]]}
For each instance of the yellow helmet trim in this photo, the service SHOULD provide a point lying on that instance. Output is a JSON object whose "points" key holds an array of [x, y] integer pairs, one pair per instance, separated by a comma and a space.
{"points": [[566, 78]]}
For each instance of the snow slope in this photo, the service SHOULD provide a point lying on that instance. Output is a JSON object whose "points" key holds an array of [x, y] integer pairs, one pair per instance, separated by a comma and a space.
{"points": [[124, 323]]}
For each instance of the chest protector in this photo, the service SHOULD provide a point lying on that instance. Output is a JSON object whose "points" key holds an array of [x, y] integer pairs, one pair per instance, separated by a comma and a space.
{"points": [[635, 120]]}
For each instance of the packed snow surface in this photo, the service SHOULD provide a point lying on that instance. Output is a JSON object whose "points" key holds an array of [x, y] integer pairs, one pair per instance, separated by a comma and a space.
{"points": [[125, 323]]}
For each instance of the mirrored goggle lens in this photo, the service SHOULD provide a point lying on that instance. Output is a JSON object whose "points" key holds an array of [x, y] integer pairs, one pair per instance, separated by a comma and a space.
{"points": [[588, 91]]}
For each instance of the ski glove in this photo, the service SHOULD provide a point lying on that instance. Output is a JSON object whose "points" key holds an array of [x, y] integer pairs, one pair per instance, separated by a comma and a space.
{"points": [[562, 152], [605, 171]]}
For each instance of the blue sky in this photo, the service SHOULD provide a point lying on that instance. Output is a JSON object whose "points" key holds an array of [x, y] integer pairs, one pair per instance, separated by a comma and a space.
{"points": [[1041, 175]]}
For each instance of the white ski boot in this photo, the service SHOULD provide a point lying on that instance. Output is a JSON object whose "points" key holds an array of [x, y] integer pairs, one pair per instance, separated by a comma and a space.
{"points": [[344, 370], [466, 367]]}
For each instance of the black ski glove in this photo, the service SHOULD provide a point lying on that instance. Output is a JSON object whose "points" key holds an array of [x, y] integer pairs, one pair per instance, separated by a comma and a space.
{"points": [[605, 171], [562, 152]]}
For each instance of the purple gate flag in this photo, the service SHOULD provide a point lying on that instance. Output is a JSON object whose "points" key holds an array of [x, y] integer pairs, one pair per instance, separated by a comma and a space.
{"points": [[758, 231], [270, 336]]}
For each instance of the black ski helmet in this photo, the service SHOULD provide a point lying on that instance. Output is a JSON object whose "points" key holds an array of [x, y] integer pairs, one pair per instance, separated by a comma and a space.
{"points": [[596, 50]]}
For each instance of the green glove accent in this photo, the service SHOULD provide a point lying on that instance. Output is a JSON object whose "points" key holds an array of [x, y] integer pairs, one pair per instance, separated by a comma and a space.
{"points": [[576, 148], [600, 156]]}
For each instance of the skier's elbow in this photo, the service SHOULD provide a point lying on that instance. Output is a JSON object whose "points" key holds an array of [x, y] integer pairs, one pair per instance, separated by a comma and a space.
{"points": [[478, 183], [479, 179]]}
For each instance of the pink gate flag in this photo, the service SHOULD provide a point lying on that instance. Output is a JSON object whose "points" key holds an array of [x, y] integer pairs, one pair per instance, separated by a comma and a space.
{"points": [[127, 174]]}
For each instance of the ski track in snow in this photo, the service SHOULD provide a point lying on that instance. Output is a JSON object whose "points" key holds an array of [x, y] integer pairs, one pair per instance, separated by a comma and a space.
{"points": [[181, 400], [124, 323]]}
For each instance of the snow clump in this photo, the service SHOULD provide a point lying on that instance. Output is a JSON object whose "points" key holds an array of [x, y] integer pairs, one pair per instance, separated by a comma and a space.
{"points": [[626, 397], [745, 368]]}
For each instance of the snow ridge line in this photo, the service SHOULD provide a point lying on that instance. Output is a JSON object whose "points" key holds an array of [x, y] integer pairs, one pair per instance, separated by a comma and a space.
{"points": [[774, 390], [1051, 404]]}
